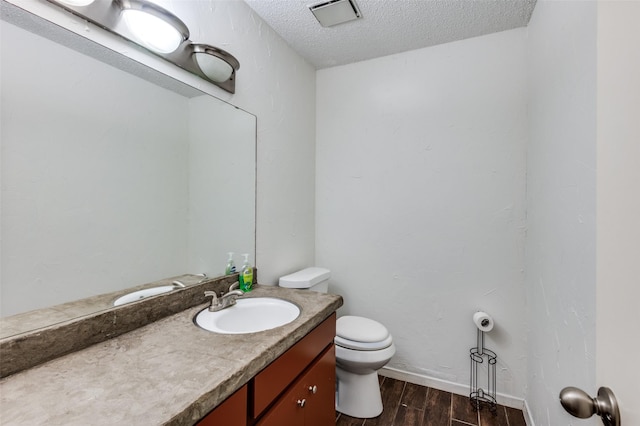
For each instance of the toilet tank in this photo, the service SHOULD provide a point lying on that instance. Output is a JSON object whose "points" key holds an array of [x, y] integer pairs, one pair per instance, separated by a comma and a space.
{"points": [[314, 278]]}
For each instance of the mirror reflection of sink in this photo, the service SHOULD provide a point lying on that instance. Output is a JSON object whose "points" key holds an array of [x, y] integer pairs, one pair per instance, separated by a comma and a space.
{"points": [[143, 294], [248, 316]]}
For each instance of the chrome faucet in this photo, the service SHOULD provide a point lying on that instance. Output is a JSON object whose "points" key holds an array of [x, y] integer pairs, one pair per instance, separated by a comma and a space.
{"points": [[225, 300]]}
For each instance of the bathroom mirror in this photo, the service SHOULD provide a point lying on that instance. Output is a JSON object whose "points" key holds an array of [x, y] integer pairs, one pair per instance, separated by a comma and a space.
{"points": [[112, 179]]}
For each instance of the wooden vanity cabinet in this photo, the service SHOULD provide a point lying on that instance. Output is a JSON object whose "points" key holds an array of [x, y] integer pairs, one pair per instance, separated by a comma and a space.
{"points": [[297, 389]]}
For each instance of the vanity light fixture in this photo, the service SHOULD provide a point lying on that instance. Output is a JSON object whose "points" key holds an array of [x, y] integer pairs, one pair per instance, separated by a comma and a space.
{"points": [[161, 32], [216, 64], [153, 26]]}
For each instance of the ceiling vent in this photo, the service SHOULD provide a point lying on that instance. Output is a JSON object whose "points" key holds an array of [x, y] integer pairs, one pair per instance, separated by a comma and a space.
{"points": [[335, 12]]}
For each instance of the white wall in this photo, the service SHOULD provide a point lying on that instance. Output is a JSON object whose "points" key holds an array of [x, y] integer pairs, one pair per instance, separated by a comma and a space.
{"points": [[420, 199], [276, 85], [561, 165]]}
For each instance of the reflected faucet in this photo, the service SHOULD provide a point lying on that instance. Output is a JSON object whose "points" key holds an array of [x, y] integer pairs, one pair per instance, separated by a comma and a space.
{"points": [[225, 300], [180, 284]]}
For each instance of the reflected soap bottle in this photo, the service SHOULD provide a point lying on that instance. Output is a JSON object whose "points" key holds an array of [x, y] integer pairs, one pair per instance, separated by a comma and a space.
{"points": [[231, 267], [246, 275]]}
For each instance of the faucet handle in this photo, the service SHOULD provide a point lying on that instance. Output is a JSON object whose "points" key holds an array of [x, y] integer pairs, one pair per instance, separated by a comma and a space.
{"points": [[177, 283], [214, 300], [234, 286], [211, 294]]}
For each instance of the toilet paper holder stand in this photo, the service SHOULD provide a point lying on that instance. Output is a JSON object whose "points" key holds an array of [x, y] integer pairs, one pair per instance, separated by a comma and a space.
{"points": [[482, 392]]}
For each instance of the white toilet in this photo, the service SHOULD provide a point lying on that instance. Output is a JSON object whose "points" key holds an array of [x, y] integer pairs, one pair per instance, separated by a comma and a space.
{"points": [[363, 346]]}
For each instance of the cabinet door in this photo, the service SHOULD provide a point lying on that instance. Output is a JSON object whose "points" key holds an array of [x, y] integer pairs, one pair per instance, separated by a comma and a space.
{"points": [[278, 376], [311, 399], [319, 386], [288, 411], [232, 412]]}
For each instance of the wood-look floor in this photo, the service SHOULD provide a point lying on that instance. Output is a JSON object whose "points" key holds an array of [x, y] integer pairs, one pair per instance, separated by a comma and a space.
{"points": [[406, 404]]}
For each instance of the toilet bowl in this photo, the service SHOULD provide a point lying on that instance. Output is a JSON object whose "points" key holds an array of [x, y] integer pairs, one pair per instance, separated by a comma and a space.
{"points": [[363, 346]]}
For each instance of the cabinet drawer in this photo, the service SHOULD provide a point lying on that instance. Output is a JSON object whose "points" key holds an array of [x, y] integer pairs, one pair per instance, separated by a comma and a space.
{"points": [[274, 379]]}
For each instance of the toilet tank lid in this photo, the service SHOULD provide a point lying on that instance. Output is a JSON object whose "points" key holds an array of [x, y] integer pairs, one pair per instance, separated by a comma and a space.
{"points": [[306, 278]]}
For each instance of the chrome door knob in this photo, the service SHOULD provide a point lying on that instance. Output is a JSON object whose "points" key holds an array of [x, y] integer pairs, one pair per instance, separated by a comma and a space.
{"points": [[579, 404], [301, 402], [313, 389]]}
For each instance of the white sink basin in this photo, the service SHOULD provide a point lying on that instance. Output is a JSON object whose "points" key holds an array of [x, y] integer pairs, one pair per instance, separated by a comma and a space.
{"points": [[248, 316], [143, 294]]}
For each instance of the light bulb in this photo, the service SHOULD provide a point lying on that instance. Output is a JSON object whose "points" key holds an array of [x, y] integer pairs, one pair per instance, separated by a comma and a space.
{"points": [[152, 32], [213, 67], [216, 64]]}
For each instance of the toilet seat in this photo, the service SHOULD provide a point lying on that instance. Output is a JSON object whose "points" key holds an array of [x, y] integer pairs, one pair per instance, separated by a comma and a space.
{"points": [[362, 346], [363, 334]]}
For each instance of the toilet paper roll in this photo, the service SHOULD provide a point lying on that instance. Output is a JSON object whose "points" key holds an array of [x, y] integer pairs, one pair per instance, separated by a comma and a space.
{"points": [[483, 321]]}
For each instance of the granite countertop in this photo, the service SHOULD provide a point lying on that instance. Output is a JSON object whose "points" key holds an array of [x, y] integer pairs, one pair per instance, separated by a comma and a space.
{"points": [[169, 372], [39, 318]]}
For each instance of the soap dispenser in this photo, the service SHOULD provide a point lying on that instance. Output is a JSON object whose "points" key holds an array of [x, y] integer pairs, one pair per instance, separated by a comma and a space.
{"points": [[231, 267], [246, 275]]}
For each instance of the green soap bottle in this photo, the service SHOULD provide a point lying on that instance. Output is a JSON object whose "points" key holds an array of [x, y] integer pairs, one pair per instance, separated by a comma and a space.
{"points": [[246, 275]]}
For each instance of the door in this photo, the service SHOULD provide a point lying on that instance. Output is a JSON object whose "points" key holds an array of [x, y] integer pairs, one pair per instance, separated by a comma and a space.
{"points": [[618, 206]]}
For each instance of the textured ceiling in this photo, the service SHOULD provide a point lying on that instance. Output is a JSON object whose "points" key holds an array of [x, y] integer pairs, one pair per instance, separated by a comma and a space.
{"points": [[388, 26]]}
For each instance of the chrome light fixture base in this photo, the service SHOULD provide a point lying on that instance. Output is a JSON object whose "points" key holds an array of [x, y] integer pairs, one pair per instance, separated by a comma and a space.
{"points": [[215, 66]]}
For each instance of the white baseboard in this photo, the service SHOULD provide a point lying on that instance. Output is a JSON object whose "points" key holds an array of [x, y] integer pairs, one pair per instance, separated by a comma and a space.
{"points": [[457, 388]]}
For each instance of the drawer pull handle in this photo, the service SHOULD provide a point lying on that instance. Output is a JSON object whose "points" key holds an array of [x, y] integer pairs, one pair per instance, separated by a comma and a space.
{"points": [[313, 389], [301, 402]]}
